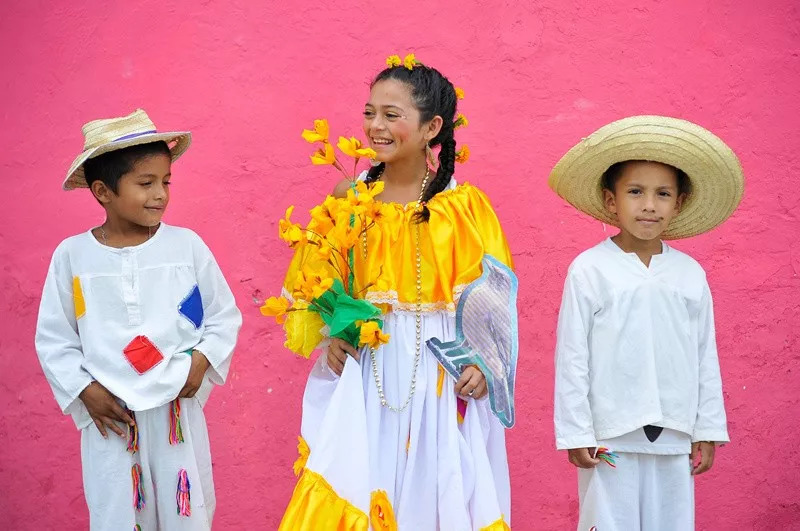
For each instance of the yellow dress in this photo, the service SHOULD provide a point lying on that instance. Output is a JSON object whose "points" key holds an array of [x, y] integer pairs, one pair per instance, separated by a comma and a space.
{"points": [[441, 463]]}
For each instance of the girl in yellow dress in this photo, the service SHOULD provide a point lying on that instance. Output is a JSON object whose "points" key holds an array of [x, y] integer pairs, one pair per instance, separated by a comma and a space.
{"points": [[389, 439]]}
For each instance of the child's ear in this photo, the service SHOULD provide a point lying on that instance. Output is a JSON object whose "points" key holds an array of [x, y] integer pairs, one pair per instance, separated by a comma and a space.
{"points": [[679, 202], [101, 192], [610, 201], [434, 126]]}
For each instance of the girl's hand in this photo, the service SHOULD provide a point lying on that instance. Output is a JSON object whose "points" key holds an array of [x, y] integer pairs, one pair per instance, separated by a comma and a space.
{"points": [[582, 457], [472, 383], [338, 350], [705, 451], [197, 372], [104, 409]]}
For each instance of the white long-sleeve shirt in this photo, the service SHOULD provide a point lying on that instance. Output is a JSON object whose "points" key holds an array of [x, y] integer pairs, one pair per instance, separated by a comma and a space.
{"points": [[129, 319], [636, 346]]}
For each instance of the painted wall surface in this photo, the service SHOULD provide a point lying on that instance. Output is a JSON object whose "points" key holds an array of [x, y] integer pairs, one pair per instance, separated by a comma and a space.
{"points": [[246, 77]]}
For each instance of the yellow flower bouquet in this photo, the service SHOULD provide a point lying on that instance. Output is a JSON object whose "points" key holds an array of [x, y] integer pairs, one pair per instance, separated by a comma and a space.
{"points": [[323, 291]]}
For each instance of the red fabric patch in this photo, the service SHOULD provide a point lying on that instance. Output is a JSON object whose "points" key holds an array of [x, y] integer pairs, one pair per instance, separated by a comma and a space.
{"points": [[142, 354]]}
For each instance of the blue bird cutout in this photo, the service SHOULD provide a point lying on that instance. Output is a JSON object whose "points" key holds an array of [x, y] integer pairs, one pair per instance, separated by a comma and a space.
{"points": [[486, 335]]}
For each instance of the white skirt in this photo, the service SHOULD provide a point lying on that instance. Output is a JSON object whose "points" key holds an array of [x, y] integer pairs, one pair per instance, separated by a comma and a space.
{"points": [[437, 472]]}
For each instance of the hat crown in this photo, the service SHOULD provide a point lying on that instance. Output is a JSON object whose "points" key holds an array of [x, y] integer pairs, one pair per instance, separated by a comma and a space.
{"points": [[108, 130]]}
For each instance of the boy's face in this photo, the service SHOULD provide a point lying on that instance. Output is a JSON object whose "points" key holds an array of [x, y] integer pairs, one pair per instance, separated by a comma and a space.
{"points": [[142, 194], [645, 199]]}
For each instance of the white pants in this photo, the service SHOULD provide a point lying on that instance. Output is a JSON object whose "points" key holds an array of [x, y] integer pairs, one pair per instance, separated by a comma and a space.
{"points": [[107, 478], [643, 493]]}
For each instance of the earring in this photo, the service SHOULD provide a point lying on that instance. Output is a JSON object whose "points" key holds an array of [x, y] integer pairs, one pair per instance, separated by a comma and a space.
{"points": [[431, 158]]}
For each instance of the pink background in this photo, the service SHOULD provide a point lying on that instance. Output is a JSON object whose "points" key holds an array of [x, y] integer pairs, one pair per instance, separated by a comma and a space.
{"points": [[246, 77]]}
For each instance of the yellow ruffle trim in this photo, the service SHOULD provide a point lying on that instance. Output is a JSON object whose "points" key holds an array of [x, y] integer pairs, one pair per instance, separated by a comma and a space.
{"points": [[463, 227], [315, 505], [499, 525]]}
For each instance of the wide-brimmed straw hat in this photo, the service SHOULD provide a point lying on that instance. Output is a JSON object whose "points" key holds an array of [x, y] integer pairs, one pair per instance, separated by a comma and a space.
{"points": [[716, 176], [110, 134]]}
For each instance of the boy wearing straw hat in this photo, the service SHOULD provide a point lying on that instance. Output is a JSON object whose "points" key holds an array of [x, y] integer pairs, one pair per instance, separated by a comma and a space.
{"points": [[136, 324], [638, 394]]}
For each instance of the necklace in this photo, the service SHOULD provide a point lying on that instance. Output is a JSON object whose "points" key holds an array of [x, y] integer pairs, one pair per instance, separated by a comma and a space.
{"points": [[418, 343], [105, 238]]}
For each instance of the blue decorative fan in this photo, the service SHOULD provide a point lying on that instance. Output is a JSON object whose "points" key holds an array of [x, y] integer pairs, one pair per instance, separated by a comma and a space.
{"points": [[486, 335]]}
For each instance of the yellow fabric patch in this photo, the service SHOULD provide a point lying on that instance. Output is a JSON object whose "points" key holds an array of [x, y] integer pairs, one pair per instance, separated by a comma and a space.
{"points": [[499, 525], [77, 298], [315, 505]]}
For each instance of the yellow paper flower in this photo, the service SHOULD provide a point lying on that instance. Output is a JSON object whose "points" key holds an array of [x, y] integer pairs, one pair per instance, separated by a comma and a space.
{"points": [[276, 307], [344, 237], [324, 155], [461, 121], [321, 222], [311, 283], [462, 155], [303, 331], [303, 451], [318, 134], [393, 60], [381, 514], [352, 147], [459, 93], [291, 233], [372, 335], [410, 61]]}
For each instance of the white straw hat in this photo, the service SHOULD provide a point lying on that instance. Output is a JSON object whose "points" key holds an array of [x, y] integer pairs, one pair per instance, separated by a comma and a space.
{"points": [[110, 134], [717, 182]]}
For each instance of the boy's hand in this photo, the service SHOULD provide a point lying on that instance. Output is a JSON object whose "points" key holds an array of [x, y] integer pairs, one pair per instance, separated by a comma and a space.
{"points": [[582, 457], [338, 350], [472, 383], [104, 409], [197, 372], [705, 451]]}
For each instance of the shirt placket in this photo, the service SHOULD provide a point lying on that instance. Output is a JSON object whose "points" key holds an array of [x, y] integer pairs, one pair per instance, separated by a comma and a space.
{"points": [[130, 287]]}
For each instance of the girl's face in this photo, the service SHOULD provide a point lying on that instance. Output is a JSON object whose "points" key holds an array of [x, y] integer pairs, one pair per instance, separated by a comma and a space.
{"points": [[392, 123]]}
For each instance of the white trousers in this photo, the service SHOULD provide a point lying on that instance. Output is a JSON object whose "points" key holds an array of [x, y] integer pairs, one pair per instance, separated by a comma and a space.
{"points": [[107, 478], [643, 493]]}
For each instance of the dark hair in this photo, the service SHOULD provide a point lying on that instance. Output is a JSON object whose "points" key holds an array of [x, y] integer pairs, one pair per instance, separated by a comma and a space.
{"points": [[614, 172], [109, 167], [433, 95]]}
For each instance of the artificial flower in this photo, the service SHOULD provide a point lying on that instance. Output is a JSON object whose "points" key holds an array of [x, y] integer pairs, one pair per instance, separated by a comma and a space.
{"points": [[276, 307], [321, 222], [352, 147], [303, 332], [461, 121], [462, 155], [291, 233], [381, 514], [410, 61], [393, 60], [324, 155], [372, 335], [459, 93], [318, 134], [303, 451]]}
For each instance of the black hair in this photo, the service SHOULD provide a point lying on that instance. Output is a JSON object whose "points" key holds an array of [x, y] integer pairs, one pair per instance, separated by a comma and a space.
{"points": [[614, 172], [110, 167], [433, 95]]}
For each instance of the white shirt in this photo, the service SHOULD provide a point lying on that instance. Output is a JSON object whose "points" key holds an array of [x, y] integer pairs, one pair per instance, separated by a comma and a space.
{"points": [[636, 346], [97, 300]]}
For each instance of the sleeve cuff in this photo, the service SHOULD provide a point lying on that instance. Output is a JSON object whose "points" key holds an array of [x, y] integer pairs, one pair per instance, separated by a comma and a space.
{"points": [[716, 436], [218, 369], [586, 440]]}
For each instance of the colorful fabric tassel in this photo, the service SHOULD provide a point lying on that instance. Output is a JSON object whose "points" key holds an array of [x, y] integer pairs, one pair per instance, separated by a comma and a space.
{"points": [[133, 434], [138, 488], [175, 431], [608, 456], [461, 409], [182, 496]]}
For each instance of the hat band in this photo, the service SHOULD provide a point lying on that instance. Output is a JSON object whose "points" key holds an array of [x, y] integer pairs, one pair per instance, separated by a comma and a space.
{"points": [[134, 135]]}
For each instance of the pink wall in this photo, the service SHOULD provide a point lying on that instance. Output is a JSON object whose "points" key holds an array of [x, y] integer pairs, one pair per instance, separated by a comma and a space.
{"points": [[246, 77]]}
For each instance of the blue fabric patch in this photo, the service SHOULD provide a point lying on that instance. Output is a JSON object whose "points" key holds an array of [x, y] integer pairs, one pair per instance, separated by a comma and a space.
{"points": [[192, 307]]}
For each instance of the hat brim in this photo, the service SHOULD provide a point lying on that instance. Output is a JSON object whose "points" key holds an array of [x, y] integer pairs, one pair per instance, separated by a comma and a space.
{"points": [[178, 143], [717, 182]]}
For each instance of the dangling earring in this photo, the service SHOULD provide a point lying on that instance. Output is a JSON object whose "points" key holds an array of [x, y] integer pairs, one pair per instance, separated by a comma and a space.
{"points": [[431, 158]]}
